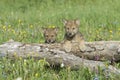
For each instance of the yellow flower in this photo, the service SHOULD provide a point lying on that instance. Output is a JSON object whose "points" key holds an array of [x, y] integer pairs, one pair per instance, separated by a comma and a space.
{"points": [[20, 58], [106, 65], [51, 26], [25, 63], [36, 75], [111, 31], [31, 26], [19, 21], [13, 31], [9, 26], [4, 28]]}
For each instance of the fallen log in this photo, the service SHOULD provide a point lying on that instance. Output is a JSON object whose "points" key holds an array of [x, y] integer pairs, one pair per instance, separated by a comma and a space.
{"points": [[55, 54], [103, 50]]}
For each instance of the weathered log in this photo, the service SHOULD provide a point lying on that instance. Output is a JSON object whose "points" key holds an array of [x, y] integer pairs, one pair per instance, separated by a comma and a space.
{"points": [[55, 54], [104, 50]]}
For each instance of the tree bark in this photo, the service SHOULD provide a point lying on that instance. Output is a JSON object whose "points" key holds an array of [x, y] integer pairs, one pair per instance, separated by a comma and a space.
{"points": [[55, 54]]}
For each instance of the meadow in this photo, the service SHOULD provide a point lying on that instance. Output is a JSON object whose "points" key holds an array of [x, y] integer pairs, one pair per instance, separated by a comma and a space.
{"points": [[22, 20]]}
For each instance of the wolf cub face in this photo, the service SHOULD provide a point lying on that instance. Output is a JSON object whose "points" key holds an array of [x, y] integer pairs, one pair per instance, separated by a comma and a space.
{"points": [[71, 27], [50, 35]]}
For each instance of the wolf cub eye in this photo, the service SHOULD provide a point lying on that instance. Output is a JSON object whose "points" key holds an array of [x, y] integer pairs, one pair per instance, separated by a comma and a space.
{"points": [[52, 35], [73, 28], [46, 35], [67, 28]]}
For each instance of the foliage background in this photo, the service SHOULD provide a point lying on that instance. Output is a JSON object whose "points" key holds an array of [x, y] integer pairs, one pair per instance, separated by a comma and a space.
{"points": [[22, 20]]}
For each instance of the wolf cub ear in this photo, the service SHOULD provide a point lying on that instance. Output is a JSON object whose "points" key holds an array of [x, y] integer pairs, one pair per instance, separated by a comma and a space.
{"points": [[56, 29], [65, 21], [44, 29], [77, 21]]}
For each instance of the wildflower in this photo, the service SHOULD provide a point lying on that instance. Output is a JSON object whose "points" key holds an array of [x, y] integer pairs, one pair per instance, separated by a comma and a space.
{"points": [[106, 64], [97, 57], [62, 65], [13, 31], [20, 58], [19, 78], [51, 26], [13, 65], [4, 28], [31, 26], [36, 75], [9, 26], [25, 62], [111, 31], [19, 21]]}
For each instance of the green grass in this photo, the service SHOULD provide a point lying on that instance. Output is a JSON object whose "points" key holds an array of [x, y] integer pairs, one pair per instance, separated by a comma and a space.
{"points": [[98, 18], [31, 69], [22, 21]]}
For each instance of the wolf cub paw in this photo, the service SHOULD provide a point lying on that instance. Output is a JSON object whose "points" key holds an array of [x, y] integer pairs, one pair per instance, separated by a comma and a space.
{"points": [[67, 46], [82, 48]]}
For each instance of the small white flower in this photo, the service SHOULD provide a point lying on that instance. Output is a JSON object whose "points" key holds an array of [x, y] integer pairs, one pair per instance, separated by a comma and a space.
{"points": [[13, 65], [62, 65], [19, 78], [25, 60]]}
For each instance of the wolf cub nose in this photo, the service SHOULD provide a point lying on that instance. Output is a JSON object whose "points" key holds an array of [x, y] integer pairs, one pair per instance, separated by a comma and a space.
{"points": [[69, 34], [49, 41]]}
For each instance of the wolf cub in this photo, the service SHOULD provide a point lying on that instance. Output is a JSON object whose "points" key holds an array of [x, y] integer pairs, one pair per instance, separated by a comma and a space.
{"points": [[50, 35], [73, 39]]}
